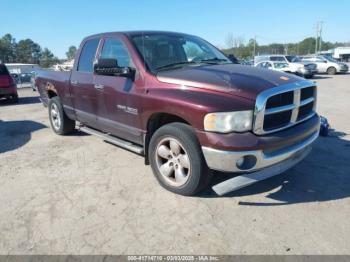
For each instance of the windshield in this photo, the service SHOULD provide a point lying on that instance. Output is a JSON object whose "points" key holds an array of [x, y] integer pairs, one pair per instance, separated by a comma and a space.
{"points": [[281, 65], [169, 51], [293, 58], [330, 59]]}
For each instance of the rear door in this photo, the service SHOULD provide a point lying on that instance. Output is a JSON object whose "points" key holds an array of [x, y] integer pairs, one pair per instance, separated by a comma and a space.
{"points": [[322, 65], [117, 96], [82, 84]]}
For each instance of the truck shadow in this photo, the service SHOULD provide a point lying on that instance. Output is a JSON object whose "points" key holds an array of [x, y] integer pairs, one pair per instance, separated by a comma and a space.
{"points": [[15, 134], [323, 176]]}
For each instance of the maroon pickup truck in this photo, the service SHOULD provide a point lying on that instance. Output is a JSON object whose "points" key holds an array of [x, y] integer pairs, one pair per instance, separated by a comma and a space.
{"points": [[181, 103], [8, 88]]}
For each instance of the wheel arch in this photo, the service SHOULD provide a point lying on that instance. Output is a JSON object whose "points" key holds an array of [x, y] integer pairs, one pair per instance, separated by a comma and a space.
{"points": [[51, 90], [155, 121]]}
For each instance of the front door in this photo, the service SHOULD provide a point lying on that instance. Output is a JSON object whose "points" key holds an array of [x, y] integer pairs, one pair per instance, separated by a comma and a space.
{"points": [[118, 111]]}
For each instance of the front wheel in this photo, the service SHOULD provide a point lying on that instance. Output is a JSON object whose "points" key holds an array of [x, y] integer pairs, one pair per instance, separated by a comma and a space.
{"points": [[59, 121], [177, 160], [331, 71]]}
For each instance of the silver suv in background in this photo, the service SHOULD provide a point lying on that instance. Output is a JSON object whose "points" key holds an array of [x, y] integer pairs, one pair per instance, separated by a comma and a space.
{"points": [[296, 66], [326, 64]]}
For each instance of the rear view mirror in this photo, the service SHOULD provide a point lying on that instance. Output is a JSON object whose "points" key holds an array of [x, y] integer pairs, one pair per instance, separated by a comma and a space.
{"points": [[109, 66]]}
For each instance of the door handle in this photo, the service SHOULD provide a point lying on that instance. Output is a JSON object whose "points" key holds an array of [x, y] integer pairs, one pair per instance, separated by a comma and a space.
{"points": [[74, 83], [99, 86]]}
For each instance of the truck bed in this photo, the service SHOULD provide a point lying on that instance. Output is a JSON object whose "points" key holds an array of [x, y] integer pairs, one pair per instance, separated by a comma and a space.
{"points": [[47, 80]]}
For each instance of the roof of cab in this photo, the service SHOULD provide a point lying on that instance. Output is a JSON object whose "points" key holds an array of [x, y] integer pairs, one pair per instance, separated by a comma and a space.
{"points": [[134, 33]]}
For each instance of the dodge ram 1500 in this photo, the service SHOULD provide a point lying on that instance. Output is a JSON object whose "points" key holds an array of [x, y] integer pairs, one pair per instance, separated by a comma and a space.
{"points": [[182, 104]]}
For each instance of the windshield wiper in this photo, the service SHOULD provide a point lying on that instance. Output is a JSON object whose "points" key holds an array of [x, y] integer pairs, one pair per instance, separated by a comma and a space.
{"points": [[213, 60], [175, 64]]}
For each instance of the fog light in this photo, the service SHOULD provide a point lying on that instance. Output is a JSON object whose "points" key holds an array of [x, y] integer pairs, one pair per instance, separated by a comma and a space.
{"points": [[240, 162], [246, 162]]}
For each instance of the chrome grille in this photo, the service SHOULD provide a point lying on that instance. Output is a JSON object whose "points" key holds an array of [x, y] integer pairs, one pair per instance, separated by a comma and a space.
{"points": [[284, 106]]}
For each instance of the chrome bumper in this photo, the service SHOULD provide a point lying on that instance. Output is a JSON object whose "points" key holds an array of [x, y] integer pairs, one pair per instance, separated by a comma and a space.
{"points": [[241, 181], [227, 160]]}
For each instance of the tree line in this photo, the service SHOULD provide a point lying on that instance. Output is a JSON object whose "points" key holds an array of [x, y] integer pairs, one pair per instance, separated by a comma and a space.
{"points": [[246, 50], [29, 52]]}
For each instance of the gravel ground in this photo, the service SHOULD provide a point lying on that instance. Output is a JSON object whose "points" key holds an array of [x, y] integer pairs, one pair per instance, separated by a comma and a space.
{"points": [[78, 195]]}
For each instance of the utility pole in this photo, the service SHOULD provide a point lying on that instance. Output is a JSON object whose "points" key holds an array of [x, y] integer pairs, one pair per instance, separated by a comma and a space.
{"points": [[254, 46], [317, 29], [320, 34]]}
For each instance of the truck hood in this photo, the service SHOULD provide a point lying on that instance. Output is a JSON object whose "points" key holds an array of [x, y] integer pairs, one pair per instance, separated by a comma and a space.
{"points": [[243, 81]]}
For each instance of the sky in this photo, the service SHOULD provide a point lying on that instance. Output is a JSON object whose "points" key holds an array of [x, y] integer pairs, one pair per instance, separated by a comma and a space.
{"points": [[60, 24]]}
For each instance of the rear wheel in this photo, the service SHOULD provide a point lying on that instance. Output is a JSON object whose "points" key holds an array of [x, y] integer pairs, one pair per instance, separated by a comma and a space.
{"points": [[59, 121], [177, 160], [331, 70], [14, 98]]}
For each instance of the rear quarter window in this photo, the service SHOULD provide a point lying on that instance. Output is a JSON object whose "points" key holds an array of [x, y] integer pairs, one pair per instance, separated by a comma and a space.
{"points": [[3, 70]]}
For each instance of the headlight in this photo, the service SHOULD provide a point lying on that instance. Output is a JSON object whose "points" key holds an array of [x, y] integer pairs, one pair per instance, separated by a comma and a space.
{"points": [[225, 122]]}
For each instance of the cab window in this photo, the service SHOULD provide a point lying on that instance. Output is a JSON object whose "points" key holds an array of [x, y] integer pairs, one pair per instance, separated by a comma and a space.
{"points": [[115, 48]]}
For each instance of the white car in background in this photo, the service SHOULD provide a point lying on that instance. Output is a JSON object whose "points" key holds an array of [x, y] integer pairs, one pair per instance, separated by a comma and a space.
{"points": [[326, 64], [277, 66], [297, 67]]}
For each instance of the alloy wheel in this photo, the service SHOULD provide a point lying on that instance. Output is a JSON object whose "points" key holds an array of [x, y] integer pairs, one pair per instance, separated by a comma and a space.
{"points": [[55, 117], [173, 162]]}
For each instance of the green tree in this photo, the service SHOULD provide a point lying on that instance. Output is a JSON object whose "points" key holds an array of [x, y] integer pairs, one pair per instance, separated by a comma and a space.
{"points": [[7, 48], [47, 58], [71, 52], [307, 46], [28, 52]]}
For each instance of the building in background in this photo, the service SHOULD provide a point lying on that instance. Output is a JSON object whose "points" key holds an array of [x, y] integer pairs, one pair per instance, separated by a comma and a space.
{"points": [[65, 66], [340, 53]]}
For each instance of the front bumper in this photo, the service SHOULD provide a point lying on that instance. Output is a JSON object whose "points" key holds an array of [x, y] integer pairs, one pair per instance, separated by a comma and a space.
{"points": [[244, 180], [227, 161], [307, 72], [258, 152]]}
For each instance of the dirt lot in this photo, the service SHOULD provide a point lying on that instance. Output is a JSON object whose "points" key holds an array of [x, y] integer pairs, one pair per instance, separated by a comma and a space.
{"points": [[79, 195]]}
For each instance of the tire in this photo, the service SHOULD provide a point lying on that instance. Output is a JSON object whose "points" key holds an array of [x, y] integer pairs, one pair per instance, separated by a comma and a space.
{"points": [[14, 98], [186, 172], [59, 121], [331, 70]]}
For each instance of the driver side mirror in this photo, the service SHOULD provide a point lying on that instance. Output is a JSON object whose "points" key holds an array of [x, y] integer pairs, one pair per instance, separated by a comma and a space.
{"points": [[110, 67]]}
